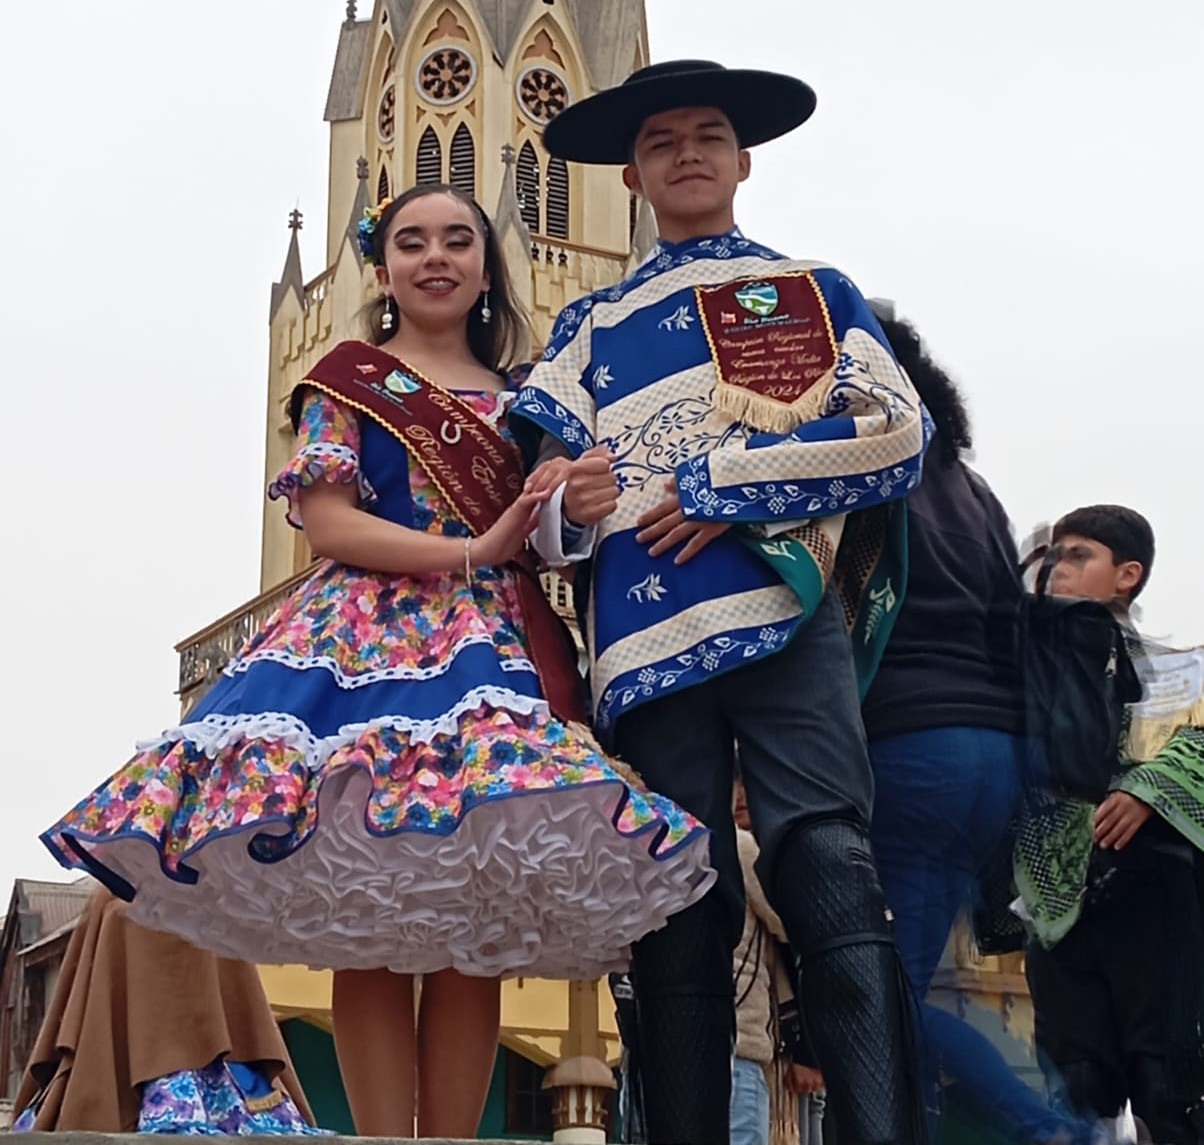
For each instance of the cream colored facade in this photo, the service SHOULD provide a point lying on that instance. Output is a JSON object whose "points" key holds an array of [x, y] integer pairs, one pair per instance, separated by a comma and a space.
{"points": [[430, 90]]}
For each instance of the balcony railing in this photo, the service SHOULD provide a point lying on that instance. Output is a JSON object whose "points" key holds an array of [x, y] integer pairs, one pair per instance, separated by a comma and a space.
{"points": [[204, 654], [592, 267]]}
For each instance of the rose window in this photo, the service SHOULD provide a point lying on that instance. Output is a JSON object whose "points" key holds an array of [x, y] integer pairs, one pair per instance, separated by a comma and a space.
{"points": [[446, 75], [542, 93], [386, 115]]}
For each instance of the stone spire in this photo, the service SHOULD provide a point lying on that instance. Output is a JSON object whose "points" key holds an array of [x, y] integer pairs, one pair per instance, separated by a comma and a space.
{"points": [[291, 278], [360, 204], [509, 214]]}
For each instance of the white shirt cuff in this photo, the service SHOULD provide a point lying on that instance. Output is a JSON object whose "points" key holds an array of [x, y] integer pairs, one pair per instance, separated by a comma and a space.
{"points": [[549, 536]]}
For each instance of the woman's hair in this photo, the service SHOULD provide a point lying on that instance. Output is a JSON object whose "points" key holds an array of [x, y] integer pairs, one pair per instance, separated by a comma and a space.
{"points": [[937, 390], [497, 344]]}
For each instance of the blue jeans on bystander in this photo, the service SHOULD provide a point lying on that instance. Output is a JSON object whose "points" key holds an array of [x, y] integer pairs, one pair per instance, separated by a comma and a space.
{"points": [[942, 802], [750, 1103]]}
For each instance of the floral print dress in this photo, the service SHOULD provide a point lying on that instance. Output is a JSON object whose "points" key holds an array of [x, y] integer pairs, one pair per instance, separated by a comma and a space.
{"points": [[224, 1099], [376, 779]]}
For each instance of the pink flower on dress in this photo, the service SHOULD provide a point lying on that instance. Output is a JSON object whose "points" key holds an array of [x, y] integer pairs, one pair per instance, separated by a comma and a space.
{"points": [[518, 774]]}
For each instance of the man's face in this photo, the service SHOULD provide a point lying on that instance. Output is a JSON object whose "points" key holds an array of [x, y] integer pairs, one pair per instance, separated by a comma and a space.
{"points": [[1086, 568], [687, 163]]}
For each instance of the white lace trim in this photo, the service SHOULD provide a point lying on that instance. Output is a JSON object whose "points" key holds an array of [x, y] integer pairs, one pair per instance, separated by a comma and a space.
{"points": [[216, 733], [542, 885], [377, 675]]}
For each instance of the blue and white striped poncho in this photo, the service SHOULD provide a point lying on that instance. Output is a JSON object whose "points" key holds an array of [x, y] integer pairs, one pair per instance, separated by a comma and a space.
{"points": [[630, 366]]}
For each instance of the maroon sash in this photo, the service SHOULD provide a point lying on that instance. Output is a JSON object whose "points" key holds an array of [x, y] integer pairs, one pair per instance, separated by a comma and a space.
{"points": [[478, 472]]}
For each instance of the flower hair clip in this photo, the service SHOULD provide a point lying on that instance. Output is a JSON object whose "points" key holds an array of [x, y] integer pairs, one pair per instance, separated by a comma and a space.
{"points": [[366, 229]]}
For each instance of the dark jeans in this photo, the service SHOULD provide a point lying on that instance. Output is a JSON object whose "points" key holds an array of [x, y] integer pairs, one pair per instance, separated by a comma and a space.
{"points": [[796, 719], [944, 798]]}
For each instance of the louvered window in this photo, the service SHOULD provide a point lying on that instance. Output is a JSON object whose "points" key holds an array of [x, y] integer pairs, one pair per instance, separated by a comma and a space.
{"points": [[463, 175], [527, 185], [429, 160], [382, 186], [558, 199]]}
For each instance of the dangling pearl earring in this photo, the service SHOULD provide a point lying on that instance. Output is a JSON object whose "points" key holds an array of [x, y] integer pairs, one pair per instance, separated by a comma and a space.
{"points": [[486, 313], [386, 319]]}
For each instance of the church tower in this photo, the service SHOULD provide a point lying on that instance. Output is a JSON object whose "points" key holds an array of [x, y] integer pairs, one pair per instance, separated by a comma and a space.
{"points": [[456, 91]]}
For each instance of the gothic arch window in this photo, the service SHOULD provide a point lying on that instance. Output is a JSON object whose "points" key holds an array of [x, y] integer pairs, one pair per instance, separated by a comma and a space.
{"points": [[463, 173], [558, 199], [382, 185], [428, 166], [526, 180]]}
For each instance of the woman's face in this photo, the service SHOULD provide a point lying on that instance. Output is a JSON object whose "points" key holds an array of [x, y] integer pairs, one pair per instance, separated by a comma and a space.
{"points": [[434, 261]]}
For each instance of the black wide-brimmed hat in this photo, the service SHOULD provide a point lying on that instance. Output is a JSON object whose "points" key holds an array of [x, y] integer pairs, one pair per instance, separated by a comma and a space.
{"points": [[602, 128]]}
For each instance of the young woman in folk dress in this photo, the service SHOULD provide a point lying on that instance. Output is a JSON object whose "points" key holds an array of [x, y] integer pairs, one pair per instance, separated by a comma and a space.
{"points": [[388, 780]]}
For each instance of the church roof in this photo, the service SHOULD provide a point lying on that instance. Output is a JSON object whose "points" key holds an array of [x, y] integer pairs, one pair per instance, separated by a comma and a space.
{"points": [[345, 98], [504, 19], [38, 908], [610, 35]]}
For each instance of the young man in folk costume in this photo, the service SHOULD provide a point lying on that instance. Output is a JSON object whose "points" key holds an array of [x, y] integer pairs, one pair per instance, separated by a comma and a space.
{"points": [[729, 437]]}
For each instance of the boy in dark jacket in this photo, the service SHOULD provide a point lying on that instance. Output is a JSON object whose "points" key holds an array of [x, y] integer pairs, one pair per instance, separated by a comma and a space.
{"points": [[1116, 965]]}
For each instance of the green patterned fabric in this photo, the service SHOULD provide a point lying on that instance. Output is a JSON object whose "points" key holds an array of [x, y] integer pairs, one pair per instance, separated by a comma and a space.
{"points": [[1053, 851], [1172, 783], [1053, 848]]}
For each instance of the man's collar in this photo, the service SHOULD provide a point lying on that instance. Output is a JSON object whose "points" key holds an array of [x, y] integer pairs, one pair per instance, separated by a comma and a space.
{"points": [[664, 247]]}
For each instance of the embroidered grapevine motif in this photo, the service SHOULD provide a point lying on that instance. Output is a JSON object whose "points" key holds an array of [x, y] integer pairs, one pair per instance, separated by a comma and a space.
{"points": [[667, 440]]}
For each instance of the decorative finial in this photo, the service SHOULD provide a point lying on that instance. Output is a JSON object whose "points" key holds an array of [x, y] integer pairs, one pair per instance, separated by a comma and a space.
{"points": [[508, 154], [350, 13], [361, 169], [294, 220]]}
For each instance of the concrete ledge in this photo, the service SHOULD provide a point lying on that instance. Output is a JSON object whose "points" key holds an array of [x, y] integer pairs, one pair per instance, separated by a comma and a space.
{"points": [[143, 1139]]}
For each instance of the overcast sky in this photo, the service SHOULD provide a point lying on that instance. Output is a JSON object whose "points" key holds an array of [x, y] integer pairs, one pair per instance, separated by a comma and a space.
{"points": [[1024, 177]]}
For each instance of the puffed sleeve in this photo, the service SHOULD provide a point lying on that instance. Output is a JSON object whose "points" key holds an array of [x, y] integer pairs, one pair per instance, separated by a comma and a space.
{"points": [[328, 449]]}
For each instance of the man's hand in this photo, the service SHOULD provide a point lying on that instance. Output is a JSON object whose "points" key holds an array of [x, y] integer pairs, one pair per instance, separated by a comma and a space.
{"points": [[591, 490], [1119, 818], [802, 1079], [664, 525], [549, 476]]}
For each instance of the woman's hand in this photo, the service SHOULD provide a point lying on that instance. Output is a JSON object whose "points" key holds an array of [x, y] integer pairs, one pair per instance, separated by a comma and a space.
{"points": [[504, 540]]}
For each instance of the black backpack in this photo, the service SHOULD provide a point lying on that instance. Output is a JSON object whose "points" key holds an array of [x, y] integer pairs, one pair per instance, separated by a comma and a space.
{"points": [[1077, 677]]}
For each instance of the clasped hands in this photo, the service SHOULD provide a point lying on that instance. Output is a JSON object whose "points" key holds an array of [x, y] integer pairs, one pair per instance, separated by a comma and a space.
{"points": [[591, 494]]}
